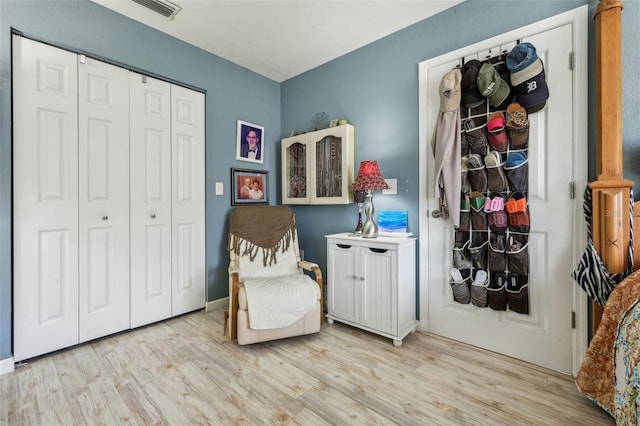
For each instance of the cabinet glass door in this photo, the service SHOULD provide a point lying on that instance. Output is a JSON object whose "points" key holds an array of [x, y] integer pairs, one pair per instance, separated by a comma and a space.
{"points": [[296, 168], [328, 182]]}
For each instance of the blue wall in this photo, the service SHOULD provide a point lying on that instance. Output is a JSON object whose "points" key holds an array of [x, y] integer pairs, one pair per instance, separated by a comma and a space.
{"points": [[232, 93], [376, 89]]}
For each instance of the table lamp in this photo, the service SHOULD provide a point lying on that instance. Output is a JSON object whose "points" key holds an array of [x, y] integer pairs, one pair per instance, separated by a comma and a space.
{"points": [[369, 179]]}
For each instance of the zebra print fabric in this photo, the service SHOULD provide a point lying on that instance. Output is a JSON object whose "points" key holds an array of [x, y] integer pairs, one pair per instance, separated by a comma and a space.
{"points": [[591, 274]]}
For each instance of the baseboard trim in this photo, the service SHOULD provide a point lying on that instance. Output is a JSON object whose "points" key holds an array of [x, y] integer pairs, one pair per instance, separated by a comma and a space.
{"points": [[6, 366], [215, 304]]}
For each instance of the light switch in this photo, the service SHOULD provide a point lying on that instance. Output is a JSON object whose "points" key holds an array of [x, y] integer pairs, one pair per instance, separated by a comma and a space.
{"points": [[393, 187], [219, 188]]}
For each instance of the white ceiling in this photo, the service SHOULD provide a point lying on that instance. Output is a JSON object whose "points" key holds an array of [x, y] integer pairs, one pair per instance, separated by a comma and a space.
{"points": [[281, 39]]}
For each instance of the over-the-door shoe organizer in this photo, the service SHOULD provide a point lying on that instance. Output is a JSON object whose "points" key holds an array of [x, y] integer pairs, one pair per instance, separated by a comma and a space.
{"points": [[490, 253], [491, 244]]}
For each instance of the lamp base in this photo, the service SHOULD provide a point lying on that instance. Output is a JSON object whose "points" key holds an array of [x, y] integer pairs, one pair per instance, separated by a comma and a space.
{"points": [[369, 229]]}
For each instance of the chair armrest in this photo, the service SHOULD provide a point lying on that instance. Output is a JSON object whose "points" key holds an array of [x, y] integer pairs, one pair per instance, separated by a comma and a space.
{"points": [[307, 266], [310, 266], [234, 285]]}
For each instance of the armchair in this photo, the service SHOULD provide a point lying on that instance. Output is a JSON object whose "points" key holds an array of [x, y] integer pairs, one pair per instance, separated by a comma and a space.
{"points": [[270, 296]]}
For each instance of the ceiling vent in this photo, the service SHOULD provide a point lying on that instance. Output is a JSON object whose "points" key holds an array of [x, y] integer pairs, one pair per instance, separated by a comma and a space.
{"points": [[163, 7]]}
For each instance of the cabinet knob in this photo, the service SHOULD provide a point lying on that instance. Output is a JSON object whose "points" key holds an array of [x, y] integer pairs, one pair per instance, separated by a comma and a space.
{"points": [[153, 215], [361, 278], [354, 277], [105, 217]]}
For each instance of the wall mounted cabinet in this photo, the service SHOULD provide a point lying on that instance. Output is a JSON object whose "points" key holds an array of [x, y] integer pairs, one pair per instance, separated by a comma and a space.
{"points": [[317, 167]]}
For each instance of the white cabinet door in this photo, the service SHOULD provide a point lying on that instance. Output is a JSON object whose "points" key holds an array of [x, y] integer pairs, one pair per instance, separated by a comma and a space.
{"points": [[379, 304], [188, 226], [103, 149], [45, 198], [342, 282], [150, 150]]}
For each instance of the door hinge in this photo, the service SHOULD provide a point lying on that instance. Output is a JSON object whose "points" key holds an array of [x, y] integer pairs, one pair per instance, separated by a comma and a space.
{"points": [[572, 190], [572, 61], [573, 319], [83, 59]]}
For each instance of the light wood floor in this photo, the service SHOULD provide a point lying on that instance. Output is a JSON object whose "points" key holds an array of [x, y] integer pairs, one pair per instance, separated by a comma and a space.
{"points": [[185, 372]]}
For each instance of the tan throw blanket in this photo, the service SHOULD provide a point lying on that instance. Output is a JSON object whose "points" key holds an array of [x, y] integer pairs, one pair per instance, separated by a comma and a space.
{"points": [[269, 228]]}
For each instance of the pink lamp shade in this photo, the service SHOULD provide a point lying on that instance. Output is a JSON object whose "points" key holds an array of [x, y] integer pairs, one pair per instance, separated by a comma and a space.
{"points": [[369, 177]]}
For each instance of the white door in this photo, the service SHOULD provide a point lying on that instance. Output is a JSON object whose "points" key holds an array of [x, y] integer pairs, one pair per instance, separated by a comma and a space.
{"points": [[543, 337], [103, 93], [45, 198], [150, 172], [188, 227]]}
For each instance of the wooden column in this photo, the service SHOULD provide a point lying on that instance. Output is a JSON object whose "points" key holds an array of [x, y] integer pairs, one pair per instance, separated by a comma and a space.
{"points": [[610, 191]]}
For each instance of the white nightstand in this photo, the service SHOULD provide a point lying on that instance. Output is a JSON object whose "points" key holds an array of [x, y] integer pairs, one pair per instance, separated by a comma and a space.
{"points": [[371, 284]]}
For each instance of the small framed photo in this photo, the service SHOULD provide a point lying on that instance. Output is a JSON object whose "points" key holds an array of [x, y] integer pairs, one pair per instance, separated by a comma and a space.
{"points": [[249, 187], [333, 123], [249, 142]]}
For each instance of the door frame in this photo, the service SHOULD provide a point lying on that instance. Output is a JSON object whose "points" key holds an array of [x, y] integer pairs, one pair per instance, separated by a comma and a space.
{"points": [[578, 18]]}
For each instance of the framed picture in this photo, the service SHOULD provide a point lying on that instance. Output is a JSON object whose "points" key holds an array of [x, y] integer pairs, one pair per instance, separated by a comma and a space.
{"points": [[249, 142], [333, 123], [249, 187]]}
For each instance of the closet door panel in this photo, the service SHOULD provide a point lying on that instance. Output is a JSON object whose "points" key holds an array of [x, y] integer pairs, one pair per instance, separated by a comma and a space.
{"points": [[104, 198], [150, 171], [45, 198], [188, 200]]}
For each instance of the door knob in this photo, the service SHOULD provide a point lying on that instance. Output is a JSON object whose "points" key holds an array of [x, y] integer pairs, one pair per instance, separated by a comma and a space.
{"points": [[436, 214], [153, 215], [105, 217]]}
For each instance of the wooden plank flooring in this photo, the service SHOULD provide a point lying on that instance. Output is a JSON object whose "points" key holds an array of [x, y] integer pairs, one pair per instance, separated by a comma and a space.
{"points": [[185, 371]]}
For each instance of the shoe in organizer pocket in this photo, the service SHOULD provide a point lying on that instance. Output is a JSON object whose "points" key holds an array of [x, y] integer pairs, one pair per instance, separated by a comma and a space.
{"points": [[475, 140], [478, 249], [516, 169], [497, 252], [496, 132], [518, 211], [464, 214], [497, 292], [517, 125], [496, 179], [477, 173], [460, 286], [518, 293], [461, 256], [518, 253], [479, 289], [465, 187], [478, 216]]}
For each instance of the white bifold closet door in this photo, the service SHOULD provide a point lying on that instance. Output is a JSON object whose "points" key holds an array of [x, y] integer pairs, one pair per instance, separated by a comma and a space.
{"points": [[167, 200], [108, 199], [103, 192], [45, 198]]}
